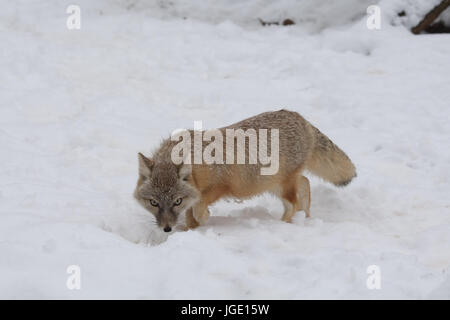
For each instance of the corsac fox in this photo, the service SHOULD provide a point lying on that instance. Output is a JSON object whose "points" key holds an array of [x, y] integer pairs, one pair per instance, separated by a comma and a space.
{"points": [[167, 189]]}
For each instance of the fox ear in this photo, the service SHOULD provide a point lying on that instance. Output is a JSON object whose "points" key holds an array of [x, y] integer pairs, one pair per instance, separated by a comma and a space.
{"points": [[145, 165], [184, 171]]}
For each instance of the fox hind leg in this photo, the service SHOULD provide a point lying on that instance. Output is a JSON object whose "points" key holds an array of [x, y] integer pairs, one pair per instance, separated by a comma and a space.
{"points": [[304, 194], [289, 196], [288, 211], [295, 198]]}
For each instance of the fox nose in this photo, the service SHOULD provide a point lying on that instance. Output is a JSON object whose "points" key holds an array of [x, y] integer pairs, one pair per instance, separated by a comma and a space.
{"points": [[167, 229]]}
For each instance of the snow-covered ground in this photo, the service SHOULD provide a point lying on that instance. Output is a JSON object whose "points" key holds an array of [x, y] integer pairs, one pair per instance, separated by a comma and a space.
{"points": [[76, 107]]}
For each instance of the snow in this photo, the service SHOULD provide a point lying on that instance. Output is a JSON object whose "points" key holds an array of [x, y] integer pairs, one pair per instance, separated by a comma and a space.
{"points": [[76, 107], [312, 14]]}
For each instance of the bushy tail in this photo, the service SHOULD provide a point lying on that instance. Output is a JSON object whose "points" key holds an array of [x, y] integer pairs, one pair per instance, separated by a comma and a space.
{"points": [[329, 162]]}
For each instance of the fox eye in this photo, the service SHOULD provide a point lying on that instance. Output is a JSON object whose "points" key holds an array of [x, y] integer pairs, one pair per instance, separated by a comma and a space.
{"points": [[178, 201], [153, 203]]}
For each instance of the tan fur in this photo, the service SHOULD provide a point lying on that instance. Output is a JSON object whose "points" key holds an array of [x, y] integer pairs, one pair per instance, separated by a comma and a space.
{"points": [[301, 147]]}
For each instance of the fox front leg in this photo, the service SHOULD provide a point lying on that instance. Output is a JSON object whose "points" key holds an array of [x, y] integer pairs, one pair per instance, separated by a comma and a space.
{"points": [[191, 223], [196, 216], [200, 212]]}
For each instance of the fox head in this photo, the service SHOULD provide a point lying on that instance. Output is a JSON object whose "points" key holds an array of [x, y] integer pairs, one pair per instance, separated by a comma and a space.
{"points": [[164, 189]]}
